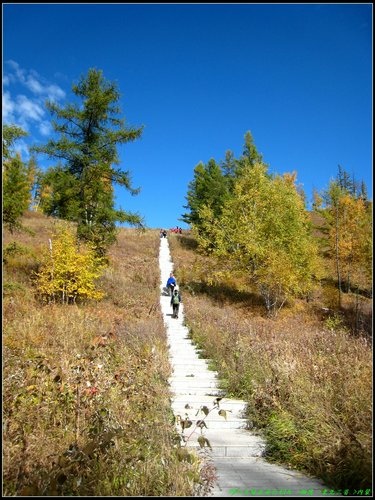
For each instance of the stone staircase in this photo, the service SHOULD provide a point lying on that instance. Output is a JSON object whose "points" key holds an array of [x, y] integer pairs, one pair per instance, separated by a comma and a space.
{"points": [[215, 425], [195, 392]]}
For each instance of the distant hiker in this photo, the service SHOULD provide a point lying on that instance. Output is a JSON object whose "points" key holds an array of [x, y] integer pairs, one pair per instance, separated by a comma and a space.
{"points": [[171, 283], [175, 302], [164, 233]]}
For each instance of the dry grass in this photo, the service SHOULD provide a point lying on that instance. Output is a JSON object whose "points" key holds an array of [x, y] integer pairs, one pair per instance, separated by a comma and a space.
{"points": [[85, 395], [307, 379]]}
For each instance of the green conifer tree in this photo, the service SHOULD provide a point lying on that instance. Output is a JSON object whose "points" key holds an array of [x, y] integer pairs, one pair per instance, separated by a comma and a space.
{"points": [[81, 187], [17, 179]]}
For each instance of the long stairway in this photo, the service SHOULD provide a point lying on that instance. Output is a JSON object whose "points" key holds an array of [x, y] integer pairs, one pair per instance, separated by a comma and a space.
{"points": [[213, 424]]}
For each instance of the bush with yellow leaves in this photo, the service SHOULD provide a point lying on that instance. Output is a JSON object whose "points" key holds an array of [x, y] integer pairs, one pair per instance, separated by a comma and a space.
{"points": [[68, 269]]}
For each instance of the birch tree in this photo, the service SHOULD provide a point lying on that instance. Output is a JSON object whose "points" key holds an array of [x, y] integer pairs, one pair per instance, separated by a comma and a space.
{"points": [[264, 231]]}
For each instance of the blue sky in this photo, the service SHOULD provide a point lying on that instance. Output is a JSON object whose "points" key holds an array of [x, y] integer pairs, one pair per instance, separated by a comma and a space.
{"points": [[198, 77]]}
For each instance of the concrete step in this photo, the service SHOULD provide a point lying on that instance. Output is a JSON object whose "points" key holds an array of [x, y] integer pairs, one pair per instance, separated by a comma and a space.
{"points": [[183, 348], [196, 391], [253, 476], [214, 424], [228, 442], [179, 339], [221, 415], [188, 363], [198, 364], [182, 345], [186, 354], [187, 358], [191, 377], [194, 371], [179, 335], [209, 401], [189, 346], [195, 413], [230, 451], [194, 385]]}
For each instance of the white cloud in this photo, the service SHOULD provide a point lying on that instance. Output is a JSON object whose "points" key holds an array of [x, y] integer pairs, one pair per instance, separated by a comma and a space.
{"points": [[29, 109], [45, 128], [54, 92], [32, 81], [12, 113], [18, 73], [24, 96], [33, 85], [8, 107]]}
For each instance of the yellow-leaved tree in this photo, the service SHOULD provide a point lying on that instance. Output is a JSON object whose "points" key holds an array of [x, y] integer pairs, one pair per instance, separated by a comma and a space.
{"points": [[348, 230], [264, 231], [68, 270]]}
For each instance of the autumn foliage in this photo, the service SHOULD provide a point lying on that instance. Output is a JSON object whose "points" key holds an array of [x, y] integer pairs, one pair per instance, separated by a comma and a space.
{"points": [[69, 269]]}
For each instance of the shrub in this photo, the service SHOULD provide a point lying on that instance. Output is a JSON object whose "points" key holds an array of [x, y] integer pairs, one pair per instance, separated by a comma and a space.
{"points": [[68, 271]]}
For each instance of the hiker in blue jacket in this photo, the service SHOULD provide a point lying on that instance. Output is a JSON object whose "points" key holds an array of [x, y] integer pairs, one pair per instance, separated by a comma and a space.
{"points": [[175, 302], [171, 283]]}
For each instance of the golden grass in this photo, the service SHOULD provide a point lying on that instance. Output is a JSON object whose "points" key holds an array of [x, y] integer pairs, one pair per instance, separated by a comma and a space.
{"points": [[85, 395], [308, 381]]}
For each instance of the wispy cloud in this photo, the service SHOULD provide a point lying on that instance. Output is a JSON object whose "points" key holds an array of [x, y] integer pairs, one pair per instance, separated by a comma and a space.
{"points": [[45, 128], [8, 108], [35, 83], [27, 110]]}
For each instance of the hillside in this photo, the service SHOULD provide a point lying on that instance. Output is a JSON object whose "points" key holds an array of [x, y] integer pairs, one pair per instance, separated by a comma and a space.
{"points": [[85, 396]]}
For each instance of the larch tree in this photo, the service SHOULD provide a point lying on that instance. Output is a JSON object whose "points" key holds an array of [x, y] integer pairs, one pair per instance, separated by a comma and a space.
{"points": [[81, 188]]}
